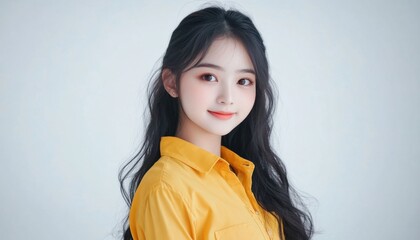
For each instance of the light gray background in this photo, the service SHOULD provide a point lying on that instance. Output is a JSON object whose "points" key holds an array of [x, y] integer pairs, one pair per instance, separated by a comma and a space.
{"points": [[73, 75]]}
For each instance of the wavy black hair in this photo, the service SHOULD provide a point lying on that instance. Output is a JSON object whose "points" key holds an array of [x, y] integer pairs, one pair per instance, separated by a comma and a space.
{"points": [[250, 139]]}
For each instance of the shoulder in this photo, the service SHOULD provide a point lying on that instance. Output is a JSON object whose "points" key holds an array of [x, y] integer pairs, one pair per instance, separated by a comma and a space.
{"points": [[167, 174], [160, 199]]}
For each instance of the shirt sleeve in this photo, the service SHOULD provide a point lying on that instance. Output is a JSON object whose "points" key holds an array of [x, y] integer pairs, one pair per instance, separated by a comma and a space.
{"points": [[164, 214]]}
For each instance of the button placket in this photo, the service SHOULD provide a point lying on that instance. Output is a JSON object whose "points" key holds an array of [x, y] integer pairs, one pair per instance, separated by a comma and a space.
{"points": [[235, 184], [261, 223]]}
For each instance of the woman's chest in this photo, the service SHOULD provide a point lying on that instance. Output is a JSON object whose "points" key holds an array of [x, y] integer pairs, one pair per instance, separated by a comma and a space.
{"points": [[222, 208]]}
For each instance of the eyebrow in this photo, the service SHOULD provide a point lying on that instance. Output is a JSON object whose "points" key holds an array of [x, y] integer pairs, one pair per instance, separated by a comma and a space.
{"points": [[210, 65]]}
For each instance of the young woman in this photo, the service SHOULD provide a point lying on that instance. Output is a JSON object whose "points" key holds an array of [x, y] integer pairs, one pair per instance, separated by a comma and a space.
{"points": [[206, 169]]}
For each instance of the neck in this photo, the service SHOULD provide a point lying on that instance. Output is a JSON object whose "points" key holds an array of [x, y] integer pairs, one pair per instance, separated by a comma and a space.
{"points": [[194, 134]]}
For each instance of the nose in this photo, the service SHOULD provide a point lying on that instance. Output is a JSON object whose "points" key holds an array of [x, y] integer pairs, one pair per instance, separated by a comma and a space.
{"points": [[225, 94]]}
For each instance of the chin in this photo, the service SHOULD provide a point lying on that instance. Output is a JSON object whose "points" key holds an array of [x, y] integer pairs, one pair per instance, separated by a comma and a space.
{"points": [[221, 132]]}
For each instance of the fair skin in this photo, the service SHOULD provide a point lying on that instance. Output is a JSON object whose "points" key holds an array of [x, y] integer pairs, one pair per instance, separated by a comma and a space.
{"points": [[215, 96]]}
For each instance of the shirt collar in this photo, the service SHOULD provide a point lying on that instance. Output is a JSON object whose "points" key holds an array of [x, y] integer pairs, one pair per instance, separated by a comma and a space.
{"points": [[198, 158], [237, 161]]}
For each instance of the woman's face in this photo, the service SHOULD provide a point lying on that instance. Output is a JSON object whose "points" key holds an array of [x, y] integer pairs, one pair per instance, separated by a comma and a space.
{"points": [[218, 93]]}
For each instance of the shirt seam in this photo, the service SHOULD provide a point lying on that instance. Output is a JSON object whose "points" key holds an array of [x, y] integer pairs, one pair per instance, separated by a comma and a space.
{"points": [[162, 185]]}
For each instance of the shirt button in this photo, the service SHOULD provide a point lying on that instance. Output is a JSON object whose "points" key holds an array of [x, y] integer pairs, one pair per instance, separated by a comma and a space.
{"points": [[257, 213], [270, 233]]}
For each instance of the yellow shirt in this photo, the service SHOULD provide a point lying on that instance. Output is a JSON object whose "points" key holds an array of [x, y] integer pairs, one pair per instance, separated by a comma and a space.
{"points": [[190, 193]]}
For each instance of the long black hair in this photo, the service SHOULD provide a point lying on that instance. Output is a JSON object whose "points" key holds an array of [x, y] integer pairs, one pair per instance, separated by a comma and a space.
{"points": [[250, 139]]}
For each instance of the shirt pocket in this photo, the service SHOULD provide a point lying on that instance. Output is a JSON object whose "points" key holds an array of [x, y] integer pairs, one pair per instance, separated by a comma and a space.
{"points": [[244, 231]]}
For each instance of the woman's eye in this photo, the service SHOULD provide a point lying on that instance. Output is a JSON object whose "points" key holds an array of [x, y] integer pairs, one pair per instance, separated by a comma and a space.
{"points": [[245, 82], [208, 77]]}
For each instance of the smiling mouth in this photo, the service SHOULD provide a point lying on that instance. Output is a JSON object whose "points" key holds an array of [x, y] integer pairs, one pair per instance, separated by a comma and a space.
{"points": [[222, 115]]}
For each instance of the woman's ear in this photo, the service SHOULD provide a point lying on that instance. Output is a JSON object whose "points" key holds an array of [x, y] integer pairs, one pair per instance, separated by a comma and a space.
{"points": [[169, 82]]}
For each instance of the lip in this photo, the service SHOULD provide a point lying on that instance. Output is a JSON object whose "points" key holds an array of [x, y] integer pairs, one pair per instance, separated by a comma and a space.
{"points": [[221, 114]]}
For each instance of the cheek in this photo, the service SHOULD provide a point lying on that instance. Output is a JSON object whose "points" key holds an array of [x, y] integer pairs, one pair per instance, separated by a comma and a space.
{"points": [[195, 95], [248, 100]]}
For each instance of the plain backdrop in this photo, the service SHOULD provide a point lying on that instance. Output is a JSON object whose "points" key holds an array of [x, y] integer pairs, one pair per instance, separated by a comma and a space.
{"points": [[73, 76]]}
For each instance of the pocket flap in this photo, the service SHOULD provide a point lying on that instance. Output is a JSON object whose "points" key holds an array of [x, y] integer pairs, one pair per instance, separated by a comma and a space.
{"points": [[242, 231]]}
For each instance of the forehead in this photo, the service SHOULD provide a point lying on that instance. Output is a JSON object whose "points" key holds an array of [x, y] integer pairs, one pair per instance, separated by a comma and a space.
{"points": [[229, 53]]}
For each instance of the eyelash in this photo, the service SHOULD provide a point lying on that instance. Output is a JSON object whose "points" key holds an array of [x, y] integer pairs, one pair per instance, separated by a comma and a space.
{"points": [[207, 74]]}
